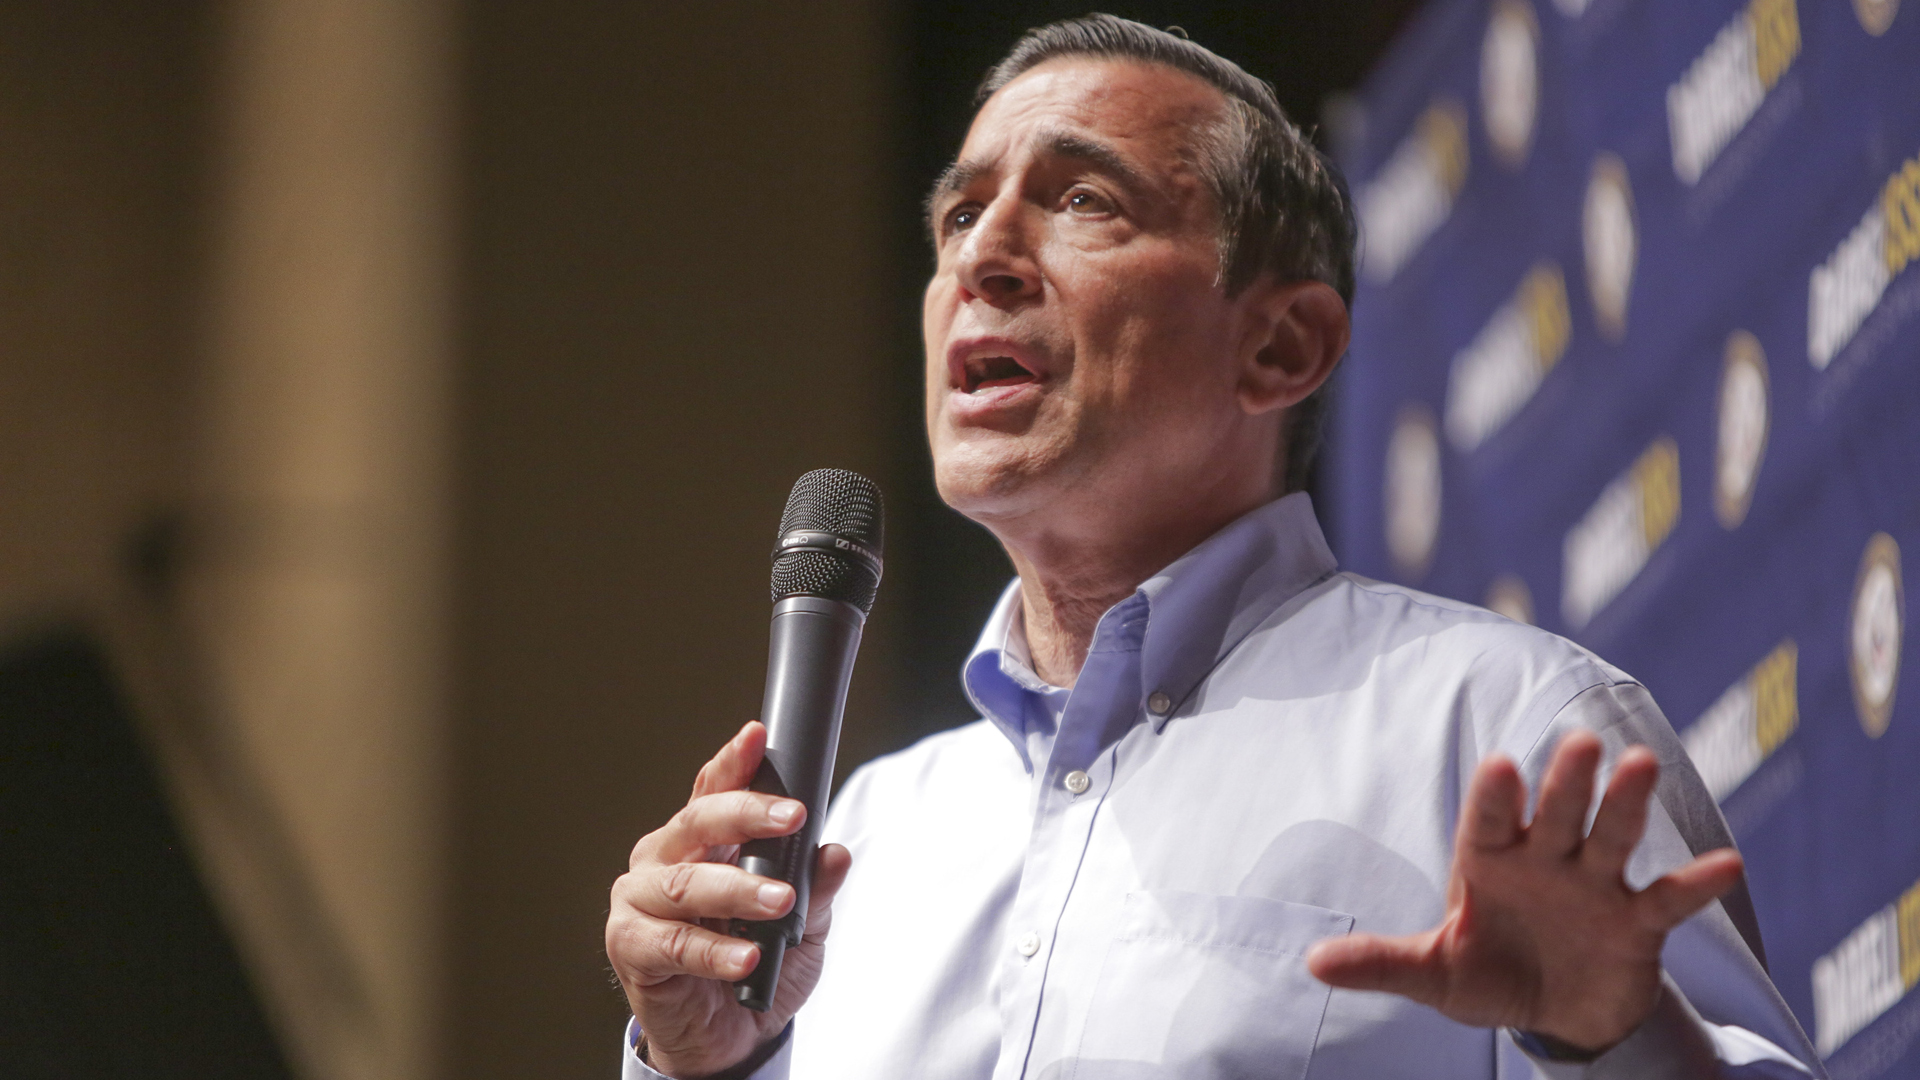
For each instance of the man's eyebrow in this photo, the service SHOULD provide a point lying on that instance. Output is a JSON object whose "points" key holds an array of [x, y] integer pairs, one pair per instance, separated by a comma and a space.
{"points": [[1100, 155], [1054, 143], [956, 177]]}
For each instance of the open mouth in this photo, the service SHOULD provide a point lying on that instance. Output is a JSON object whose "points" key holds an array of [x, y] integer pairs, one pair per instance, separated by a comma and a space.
{"points": [[987, 372]]}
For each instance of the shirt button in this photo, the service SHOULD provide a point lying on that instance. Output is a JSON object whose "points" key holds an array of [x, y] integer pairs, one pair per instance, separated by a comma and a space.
{"points": [[1077, 782], [1029, 943], [1158, 703]]}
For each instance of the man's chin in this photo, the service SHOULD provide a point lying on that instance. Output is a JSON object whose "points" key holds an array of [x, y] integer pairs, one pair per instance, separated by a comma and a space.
{"points": [[984, 486]]}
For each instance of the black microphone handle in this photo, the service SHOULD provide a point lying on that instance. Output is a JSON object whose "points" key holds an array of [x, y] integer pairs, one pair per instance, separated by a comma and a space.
{"points": [[809, 661]]}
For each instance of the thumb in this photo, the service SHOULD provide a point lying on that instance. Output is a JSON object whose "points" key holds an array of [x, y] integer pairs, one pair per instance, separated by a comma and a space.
{"points": [[733, 767], [1398, 965], [829, 873]]}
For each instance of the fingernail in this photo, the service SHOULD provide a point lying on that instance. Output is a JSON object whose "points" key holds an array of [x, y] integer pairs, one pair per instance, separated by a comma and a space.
{"points": [[771, 896], [784, 813], [739, 956]]}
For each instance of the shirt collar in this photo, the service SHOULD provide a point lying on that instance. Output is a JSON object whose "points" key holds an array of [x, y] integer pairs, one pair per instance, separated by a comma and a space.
{"points": [[994, 690], [1199, 608], [1208, 600]]}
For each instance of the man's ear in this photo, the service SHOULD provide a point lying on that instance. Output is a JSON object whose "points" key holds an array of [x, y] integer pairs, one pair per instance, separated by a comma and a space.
{"points": [[1296, 332]]}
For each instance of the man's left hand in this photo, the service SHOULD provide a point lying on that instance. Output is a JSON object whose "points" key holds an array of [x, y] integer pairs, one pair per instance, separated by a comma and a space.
{"points": [[1542, 932]]}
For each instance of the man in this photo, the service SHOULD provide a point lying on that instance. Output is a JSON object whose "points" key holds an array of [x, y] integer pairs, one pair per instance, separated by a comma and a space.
{"points": [[1216, 779]]}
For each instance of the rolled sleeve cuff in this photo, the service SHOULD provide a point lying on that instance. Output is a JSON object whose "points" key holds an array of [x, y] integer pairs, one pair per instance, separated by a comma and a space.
{"points": [[769, 1063], [1671, 1044]]}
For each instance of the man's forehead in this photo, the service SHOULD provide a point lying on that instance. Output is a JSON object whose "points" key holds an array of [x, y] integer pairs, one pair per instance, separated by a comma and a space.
{"points": [[1048, 141]]}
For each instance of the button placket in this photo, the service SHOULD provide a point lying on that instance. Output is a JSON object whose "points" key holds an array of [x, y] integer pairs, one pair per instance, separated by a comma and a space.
{"points": [[1107, 693], [1053, 865]]}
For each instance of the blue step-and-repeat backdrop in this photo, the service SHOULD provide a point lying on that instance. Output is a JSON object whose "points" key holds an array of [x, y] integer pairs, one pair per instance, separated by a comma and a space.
{"points": [[1637, 359]]}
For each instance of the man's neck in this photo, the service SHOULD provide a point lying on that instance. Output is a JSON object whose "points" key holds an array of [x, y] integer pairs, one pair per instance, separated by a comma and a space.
{"points": [[1067, 585], [1060, 618]]}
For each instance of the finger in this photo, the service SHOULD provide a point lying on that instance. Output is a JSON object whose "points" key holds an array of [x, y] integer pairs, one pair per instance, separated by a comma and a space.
{"points": [[1565, 793], [1622, 818], [1490, 821], [829, 873], [727, 817], [700, 890], [1398, 965], [1669, 901], [648, 951], [733, 766]]}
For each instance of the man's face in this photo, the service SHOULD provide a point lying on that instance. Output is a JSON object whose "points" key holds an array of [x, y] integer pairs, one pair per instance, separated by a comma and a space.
{"points": [[1080, 347]]}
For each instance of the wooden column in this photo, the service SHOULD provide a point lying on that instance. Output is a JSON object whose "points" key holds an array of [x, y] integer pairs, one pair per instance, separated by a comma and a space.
{"points": [[316, 589]]}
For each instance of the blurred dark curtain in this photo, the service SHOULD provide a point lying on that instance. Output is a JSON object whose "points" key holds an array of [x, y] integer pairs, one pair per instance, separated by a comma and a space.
{"points": [[112, 961]]}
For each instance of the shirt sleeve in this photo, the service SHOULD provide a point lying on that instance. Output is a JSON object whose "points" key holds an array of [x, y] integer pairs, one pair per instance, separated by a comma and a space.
{"points": [[1675, 1043], [1720, 1015], [774, 1068]]}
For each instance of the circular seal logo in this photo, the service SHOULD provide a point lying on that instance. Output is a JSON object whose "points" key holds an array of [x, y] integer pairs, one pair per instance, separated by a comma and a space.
{"points": [[1743, 428], [1608, 235], [1509, 596], [1876, 15], [1413, 490], [1510, 80], [1879, 610]]}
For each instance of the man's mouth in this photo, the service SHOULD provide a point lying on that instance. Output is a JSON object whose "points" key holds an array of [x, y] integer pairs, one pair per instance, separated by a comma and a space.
{"points": [[987, 372]]}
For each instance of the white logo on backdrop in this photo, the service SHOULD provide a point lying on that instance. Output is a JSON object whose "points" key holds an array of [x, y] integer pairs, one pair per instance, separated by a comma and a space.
{"points": [[1510, 80], [1413, 490], [1742, 428], [1412, 194], [1613, 541], [1509, 596], [1725, 84], [1876, 631], [1611, 243], [1876, 15], [1497, 373]]}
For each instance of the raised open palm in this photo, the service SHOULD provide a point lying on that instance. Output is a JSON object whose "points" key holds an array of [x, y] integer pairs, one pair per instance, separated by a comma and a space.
{"points": [[1542, 932]]}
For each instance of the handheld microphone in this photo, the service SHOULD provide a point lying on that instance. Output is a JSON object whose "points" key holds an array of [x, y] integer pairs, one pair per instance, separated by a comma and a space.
{"points": [[826, 569]]}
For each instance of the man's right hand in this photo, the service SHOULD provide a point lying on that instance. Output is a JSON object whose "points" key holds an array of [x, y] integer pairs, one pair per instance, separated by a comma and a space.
{"points": [[666, 932]]}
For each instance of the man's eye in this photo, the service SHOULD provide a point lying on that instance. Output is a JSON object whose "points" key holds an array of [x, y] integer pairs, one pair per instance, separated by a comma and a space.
{"points": [[963, 218], [1086, 202]]}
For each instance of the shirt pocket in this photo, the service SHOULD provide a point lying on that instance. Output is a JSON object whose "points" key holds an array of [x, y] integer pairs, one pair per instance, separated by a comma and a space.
{"points": [[1203, 987]]}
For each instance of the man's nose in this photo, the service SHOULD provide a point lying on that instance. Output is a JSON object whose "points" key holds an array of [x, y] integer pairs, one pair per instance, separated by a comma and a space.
{"points": [[996, 262]]}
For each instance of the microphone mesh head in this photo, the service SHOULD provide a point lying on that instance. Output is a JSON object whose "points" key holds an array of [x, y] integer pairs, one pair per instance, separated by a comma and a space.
{"points": [[846, 505]]}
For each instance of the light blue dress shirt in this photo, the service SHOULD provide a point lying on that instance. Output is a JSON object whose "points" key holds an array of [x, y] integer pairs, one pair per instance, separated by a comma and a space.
{"points": [[1121, 881]]}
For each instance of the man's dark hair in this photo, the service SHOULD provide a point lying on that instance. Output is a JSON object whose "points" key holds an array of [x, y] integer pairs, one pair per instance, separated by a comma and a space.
{"points": [[1284, 206]]}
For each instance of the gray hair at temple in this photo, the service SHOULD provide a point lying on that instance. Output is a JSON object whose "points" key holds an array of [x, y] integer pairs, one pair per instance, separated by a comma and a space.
{"points": [[1284, 207]]}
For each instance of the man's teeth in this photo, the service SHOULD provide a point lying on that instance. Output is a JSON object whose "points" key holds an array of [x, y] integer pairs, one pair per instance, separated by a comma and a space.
{"points": [[997, 370]]}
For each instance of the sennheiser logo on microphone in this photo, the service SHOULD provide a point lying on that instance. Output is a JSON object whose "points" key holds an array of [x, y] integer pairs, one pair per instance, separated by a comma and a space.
{"points": [[815, 539], [825, 542]]}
